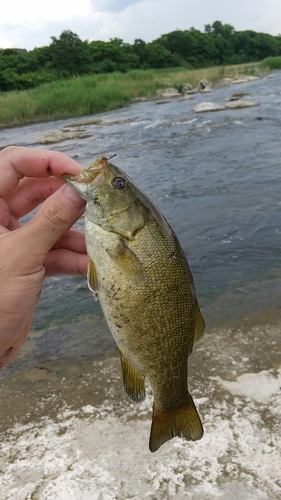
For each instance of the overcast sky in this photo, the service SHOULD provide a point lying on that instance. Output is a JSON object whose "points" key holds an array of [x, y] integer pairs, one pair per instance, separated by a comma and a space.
{"points": [[29, 23]]}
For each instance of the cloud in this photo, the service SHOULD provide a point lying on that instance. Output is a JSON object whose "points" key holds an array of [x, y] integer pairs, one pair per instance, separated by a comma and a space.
{"points": [[112, 5], [25, 13], [28, 24]]}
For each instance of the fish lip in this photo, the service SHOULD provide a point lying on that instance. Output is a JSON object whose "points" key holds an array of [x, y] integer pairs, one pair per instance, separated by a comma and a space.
{"points": [[97, 180]]}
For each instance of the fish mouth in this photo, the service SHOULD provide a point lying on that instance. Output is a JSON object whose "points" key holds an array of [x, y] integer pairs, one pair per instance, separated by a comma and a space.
{"points": [[91, 175], [94, 178]]}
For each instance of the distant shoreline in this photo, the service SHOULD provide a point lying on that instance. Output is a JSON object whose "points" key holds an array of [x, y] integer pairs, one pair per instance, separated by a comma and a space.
{"points": [[89, 95]]}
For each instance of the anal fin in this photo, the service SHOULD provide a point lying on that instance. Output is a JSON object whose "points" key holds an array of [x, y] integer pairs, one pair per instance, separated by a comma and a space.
{"points": [[133, 380], [182, 422]]}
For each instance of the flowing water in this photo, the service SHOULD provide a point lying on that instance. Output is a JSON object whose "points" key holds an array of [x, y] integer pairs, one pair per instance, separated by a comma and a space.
{"points": [[69, 431]]}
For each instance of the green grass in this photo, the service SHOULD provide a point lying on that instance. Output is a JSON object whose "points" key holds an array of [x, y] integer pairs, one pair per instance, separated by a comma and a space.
{"points": [[271, 63], [88, 95]]}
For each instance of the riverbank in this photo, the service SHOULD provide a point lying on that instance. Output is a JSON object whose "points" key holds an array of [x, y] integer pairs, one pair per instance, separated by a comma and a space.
{"points": [[87, 95], [69, 424]]}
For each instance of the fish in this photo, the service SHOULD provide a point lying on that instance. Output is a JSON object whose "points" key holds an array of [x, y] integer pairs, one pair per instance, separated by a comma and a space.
{"points": [[138, 271]]}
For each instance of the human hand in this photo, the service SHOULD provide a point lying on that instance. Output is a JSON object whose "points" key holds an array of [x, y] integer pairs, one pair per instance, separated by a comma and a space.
{"points": [[45, 246]]}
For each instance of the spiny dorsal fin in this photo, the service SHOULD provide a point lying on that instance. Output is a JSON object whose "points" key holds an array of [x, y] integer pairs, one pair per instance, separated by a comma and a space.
{"points": [[133, 380], [200, 325]]}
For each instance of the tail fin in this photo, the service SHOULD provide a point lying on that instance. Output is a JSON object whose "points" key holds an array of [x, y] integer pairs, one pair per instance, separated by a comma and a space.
{"points": [[183, 422]]}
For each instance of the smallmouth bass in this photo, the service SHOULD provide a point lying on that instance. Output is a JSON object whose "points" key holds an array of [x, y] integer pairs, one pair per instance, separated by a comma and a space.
{"points": [[139, 272]]}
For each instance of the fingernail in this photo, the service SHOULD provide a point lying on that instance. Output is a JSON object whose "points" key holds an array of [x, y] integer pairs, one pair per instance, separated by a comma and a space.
{"points": [[74, 196]]}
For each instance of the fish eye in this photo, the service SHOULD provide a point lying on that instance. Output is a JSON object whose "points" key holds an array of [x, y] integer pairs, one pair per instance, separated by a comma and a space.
{"points": [[119, 183]]}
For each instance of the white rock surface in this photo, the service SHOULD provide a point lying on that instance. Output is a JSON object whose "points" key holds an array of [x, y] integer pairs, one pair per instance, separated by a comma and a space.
{"points": [[207, 106]]}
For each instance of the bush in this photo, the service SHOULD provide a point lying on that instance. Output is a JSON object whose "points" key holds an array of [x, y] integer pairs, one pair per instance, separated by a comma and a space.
{"points": [[271, 63]]}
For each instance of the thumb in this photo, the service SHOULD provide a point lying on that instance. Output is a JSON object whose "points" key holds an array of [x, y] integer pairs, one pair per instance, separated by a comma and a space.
{"points": [[56, 216]]}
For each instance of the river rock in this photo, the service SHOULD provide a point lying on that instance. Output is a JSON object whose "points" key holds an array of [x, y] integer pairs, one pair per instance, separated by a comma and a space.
{"points": [[84, 122], [241, 104], [55, 136], [235, 97], [239, 79], [187, 87], [168, 92], [194, 90], [207, 89], [96, 122], [207, 106], [204, 83]]}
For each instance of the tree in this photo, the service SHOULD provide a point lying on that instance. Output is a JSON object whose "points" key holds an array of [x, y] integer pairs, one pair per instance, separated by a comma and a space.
{"points": [[158, 56], [139, 48], [69, 54], [224, 30], [112, 56]]}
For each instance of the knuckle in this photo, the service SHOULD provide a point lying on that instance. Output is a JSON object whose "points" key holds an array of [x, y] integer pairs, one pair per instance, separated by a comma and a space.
{"points": [[56, 214]]}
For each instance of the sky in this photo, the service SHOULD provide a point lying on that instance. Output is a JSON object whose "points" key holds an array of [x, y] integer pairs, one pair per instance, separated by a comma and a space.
{"points": [[28, 24]]}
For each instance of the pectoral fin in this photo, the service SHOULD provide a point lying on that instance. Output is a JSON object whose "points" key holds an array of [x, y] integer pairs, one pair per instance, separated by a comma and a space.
{"points": [[127, 261], [133, 380], [92, 279]]}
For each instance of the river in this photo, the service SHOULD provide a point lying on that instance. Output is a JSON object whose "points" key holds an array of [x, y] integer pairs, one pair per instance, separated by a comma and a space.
{"points": [[68, 429]]}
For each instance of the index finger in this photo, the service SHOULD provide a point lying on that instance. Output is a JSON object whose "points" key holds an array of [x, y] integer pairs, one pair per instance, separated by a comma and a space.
{"points": [[17, 162]]}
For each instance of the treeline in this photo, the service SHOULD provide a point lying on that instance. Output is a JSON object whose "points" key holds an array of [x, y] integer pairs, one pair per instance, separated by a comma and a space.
{"points": [[69, 56]]}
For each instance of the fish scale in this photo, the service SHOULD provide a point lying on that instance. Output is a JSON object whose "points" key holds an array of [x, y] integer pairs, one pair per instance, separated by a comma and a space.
{"points": [[140, 275]]}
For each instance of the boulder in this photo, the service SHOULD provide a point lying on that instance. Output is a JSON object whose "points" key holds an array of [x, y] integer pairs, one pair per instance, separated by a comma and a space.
{"points": [[207, 106], [204, 83]]}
